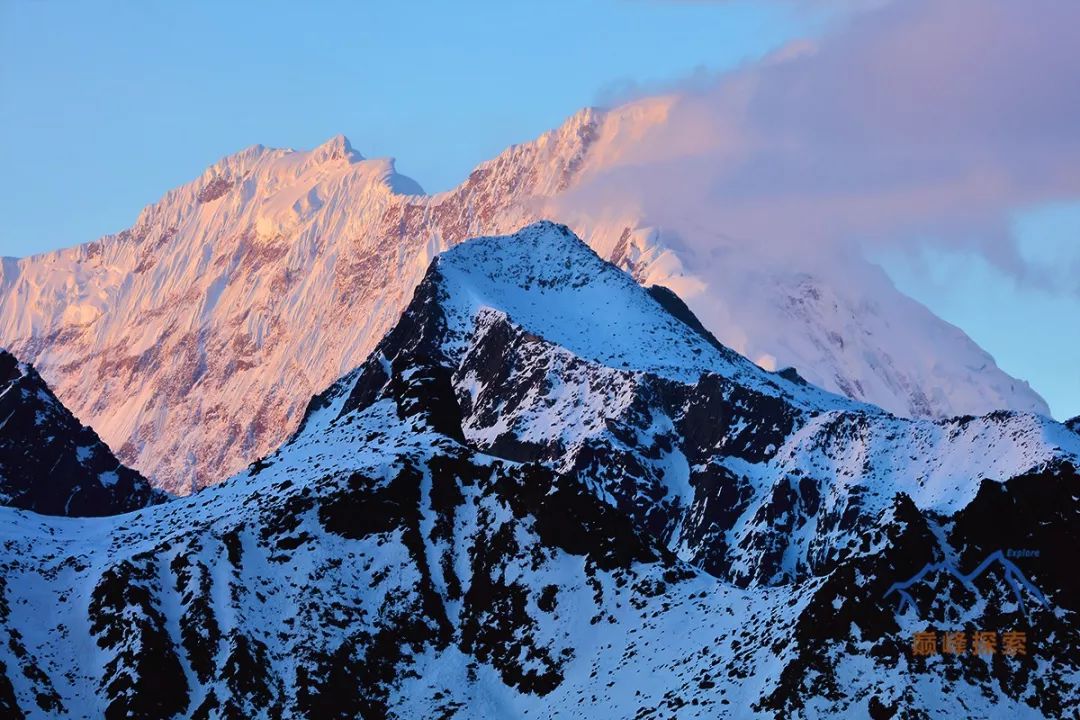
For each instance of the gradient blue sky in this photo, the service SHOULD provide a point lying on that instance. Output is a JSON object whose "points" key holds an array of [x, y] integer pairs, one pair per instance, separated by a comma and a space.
{"points": [[1032, 331], [104, 107]]}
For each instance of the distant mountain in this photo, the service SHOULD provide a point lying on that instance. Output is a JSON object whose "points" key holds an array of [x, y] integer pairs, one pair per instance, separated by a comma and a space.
{"points": [[239, 295], [52, 464], [519, 506]]}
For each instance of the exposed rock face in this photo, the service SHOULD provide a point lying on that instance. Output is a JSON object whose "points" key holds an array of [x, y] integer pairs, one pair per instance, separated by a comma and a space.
{"points": [[518, 506], [52, 464], [193, 340]]}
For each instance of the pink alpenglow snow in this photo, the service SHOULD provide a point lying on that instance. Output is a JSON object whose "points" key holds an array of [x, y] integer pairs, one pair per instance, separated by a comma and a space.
{"points": [[192, 341]]}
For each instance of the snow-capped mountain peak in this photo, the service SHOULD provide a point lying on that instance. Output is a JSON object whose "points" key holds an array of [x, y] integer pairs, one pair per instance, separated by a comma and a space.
{"points": [[499, 344], [552, 284], [548, 282], [335, 149], [278, 270]]}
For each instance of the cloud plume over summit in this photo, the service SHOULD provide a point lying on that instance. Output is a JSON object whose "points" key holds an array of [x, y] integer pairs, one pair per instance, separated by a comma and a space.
{"points": [[915, 120]]}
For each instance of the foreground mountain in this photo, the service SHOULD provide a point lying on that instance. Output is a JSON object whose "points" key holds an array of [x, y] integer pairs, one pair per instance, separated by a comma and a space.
{"points": [[276, 271], [521, 506], [52, 464]]}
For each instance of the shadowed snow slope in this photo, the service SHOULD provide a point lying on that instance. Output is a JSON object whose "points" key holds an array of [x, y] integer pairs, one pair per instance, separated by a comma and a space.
{"points": [[237, 296]]}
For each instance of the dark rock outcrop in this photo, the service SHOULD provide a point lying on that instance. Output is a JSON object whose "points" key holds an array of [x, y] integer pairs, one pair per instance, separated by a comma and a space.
{"points": [[52, 464]]}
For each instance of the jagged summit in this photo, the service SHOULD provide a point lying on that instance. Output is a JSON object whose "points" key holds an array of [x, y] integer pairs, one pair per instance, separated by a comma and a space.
{"points": [[547, 281], [336, 148]]}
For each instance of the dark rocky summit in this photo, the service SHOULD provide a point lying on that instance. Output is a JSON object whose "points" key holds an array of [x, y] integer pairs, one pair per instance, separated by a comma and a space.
{"points": [[52, 464]]}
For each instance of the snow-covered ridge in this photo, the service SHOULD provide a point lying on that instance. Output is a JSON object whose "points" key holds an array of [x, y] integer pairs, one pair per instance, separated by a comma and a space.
{"points": [[938, 464]]}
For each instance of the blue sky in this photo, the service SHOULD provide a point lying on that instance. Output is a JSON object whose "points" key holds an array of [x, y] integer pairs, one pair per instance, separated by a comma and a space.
{"points": [[104, 107], [105, 110], [1031, 328]]}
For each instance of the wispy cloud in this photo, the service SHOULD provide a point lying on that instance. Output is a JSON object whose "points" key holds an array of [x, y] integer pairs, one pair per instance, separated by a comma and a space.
{"points": [[916, 119]]}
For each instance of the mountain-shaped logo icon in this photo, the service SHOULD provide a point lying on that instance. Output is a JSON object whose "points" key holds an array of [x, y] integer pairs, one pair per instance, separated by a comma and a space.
{"points": [[1014, 577]]}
